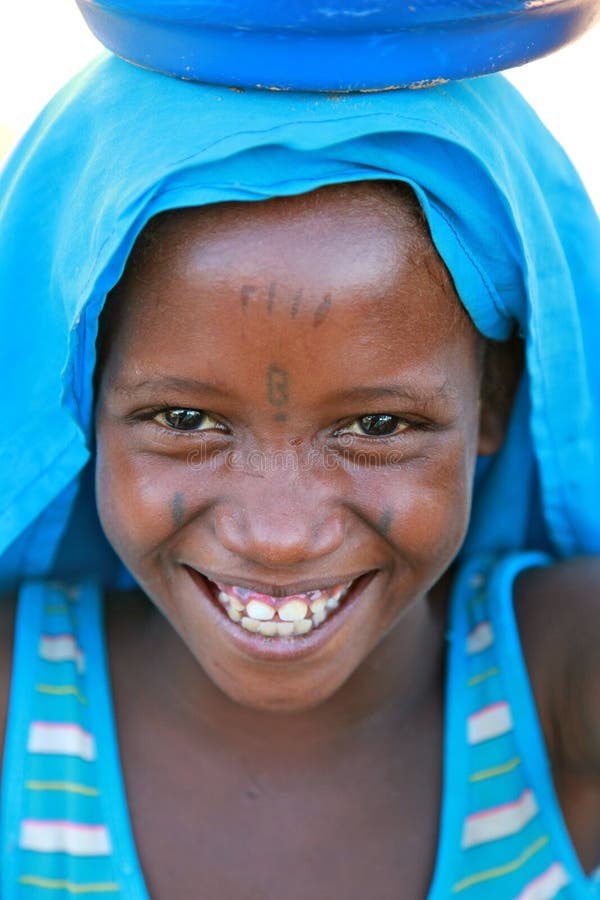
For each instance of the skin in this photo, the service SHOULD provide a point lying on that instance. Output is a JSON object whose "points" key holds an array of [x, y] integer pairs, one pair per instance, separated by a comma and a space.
{"points": [[323, 775], [319, 523], [335, 718]]}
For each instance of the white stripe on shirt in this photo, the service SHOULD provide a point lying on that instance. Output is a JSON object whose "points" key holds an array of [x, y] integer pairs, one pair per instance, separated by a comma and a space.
{"points": [[61, 738], [499, 821], [64, 837]]}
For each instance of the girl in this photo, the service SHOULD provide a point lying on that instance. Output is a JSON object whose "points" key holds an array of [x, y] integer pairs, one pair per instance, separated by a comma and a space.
{"points": [[348, 649]]}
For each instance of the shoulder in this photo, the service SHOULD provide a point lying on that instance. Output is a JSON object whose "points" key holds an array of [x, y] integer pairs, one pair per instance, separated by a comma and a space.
{"points": [[7, 625], [566, 579], [558, 615], [558, 609]]}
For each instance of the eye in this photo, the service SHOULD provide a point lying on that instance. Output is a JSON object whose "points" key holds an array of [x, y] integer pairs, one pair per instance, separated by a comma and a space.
{"points": [[181, 419], [376, 425]]}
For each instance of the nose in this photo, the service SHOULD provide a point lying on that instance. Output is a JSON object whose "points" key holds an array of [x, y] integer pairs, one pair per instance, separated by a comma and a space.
{"points": [[279, 524]]}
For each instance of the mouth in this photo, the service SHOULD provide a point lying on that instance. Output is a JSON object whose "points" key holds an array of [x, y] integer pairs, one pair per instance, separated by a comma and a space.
{"points": [[296, 615], [292, 615]]}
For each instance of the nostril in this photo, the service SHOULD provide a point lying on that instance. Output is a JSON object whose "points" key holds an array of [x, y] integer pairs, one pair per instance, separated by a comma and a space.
{"points": [[273, 536]]}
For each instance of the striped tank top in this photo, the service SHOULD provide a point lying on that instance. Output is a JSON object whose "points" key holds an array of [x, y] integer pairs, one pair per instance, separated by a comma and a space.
{"points": [[65, 828]]}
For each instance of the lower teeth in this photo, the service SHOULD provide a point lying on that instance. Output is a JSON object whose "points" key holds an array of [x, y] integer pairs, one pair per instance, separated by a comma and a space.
{"points": [[276, 629]]}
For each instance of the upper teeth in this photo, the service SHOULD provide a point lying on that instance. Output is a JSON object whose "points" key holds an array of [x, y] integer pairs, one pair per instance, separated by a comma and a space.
{"points": [[292, 611], [293, 617], [261, 611]]}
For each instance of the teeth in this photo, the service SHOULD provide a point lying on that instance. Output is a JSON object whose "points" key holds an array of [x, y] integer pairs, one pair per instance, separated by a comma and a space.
{"points": [[259, 610], [234, 603], [259, 617], [292, 611], [231, 602]]}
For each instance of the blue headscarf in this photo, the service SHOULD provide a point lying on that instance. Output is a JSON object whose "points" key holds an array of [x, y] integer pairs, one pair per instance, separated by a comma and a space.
{"points": [[119, 144]]}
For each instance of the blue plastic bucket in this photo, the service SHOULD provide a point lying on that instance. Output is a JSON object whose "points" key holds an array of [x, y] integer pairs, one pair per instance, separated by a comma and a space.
{"points": [[326, 45]]}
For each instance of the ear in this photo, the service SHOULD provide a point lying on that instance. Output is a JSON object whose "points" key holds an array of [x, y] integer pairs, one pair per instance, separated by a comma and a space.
{"points": [[492, 429], [502, 368]]}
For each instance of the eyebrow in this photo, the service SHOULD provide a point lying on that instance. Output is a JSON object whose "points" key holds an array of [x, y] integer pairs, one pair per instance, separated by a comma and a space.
{"points": [[170, 383], [403, 392], [428, 394]]}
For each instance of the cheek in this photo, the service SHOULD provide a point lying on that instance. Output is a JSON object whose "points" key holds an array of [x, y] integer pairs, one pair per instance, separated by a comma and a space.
{"points": [[436, 519], [423, 509], [136, 500]]}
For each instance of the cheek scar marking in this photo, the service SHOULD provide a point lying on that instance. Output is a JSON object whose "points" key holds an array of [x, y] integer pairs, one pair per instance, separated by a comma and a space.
{"points": [[384, 521], [178, 509], [322, 310]]}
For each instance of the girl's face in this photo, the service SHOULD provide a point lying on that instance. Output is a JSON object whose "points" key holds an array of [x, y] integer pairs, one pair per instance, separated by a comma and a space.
{"points": [[289, 408]]}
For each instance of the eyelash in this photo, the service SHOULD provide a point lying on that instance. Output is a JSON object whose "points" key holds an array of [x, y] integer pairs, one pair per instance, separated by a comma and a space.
{"points": [[151, 415], [400, 426]]}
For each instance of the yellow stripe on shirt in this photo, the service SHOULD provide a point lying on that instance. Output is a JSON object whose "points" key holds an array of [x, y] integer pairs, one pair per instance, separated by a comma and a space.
{"points": [[499, 871], [60, 884], [493, 772], [62, 690], [69, 787], [483, 676]]}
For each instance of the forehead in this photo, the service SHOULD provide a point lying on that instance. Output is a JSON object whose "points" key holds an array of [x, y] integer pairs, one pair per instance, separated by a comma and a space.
{"points": [[367, 239], [327, 225], [346, 270]]}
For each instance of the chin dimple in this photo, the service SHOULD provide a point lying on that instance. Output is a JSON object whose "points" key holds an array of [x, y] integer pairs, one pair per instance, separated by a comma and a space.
{"points": [[280, 616]]}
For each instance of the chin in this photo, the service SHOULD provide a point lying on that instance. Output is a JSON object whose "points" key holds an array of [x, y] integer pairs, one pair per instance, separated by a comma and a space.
{"points": [[270, 693]]}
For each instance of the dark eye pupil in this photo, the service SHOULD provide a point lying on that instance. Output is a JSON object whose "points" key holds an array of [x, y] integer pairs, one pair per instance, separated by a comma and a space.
{"points": [[378, 425], [184, 419]]}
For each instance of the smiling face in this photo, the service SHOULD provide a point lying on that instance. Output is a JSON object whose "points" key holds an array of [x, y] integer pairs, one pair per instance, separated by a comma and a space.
{"points": [[289, 410]]}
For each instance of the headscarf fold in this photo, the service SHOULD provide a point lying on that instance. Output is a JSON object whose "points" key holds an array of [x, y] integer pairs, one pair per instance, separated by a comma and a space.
{"points": [[119, 144]]}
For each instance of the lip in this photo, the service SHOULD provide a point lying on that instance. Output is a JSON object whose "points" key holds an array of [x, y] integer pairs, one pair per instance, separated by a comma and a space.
{"points": [[278, 590], [280, 649]]}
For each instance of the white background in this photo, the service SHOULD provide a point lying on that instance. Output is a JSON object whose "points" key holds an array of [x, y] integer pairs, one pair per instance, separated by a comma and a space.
{"points": [[44, 42]]}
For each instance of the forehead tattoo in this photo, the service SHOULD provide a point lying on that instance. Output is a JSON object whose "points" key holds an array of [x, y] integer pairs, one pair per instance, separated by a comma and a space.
{"points": [[322, 310], [272, 292], [274, 295], [278, 391], [246, 292], [296, 304]]}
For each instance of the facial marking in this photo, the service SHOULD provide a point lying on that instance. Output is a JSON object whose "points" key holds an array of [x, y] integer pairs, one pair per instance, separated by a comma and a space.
{"points": [[277, 386], [178, 509], [344, 533], [247, 291], [384, 522], [322, 310], [296, 304]]}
